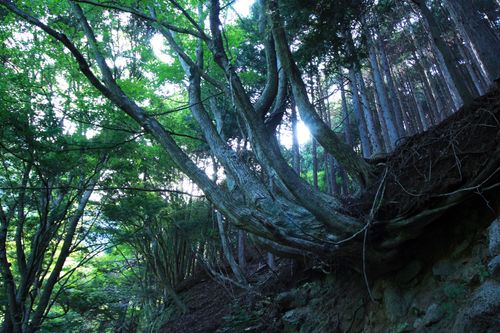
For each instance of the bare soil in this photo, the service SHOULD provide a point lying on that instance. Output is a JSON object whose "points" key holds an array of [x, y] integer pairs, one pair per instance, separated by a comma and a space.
{"points": [[208, 303]]}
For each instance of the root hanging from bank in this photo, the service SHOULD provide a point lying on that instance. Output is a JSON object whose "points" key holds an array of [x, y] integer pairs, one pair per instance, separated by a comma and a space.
{"points": [[437, 169]]}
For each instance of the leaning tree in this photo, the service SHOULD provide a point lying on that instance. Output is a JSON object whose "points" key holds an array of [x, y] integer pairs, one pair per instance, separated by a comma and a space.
{"points": [[396, 196]]}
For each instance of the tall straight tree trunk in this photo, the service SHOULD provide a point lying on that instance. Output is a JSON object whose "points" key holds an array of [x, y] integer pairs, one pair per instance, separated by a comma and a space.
{"points": [[295, 138], [346, 123], [333, 175], [327, 177], [424, 121], [420, 114], [478, 35], [314, 97], [347, 135], [383, 128], [451, 90], [433, 112], [200, 253], [13, 315], [314, 146], [383, 99], [395, 103], [345, 181], [439, 97], [430, 101], [409, 130], [444, 53], [360, 119], [476, 80], [483, 83], [407, 107], [370, 122], [434, 108], [315, 163], [328, 158], [442, 96], [462, 67], [444, 91], [324, 106], [431, 92]]}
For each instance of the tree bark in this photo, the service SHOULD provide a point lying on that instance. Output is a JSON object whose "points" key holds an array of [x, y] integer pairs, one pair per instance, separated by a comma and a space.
{"points": [[382, 125], [419, 114], [444, 98], [314, 145], [228, 254], [332, 144], [13, 316], [445, 56], [360, 119], [383, 99], [314, 153], [445, 92], [295, 138], [407, 108], [480, 89], [288, 215], [478, 35], [431, 94], [384, 61], [346, 123], [368, 115], [271, 263], [242, 251]]}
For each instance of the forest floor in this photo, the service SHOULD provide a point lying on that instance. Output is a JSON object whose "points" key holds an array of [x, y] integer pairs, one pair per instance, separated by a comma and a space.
{"points": [[208, 302], [212, 301]]}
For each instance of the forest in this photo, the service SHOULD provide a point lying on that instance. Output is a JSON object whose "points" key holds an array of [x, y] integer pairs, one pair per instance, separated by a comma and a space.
{"points": [[249, 166]]}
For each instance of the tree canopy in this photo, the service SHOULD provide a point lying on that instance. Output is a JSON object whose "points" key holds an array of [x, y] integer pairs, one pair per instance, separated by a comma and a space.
{"points": [[148, 136]]}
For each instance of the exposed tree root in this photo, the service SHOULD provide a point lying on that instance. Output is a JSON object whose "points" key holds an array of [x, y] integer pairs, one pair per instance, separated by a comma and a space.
{"points": [[425, 177], [436, 168], [439, 169]]}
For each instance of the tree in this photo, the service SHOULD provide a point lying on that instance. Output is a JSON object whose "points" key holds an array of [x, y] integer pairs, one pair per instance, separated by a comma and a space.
{"points": [[271, 202], [45, 192], [478, 35]]}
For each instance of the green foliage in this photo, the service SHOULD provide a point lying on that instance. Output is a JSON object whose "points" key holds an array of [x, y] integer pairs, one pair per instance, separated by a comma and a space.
{"points": [[53, 120], [137, 240], [321, 25]]}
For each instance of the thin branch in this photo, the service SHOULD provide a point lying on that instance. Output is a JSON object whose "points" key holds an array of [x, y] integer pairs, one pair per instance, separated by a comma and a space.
{"points": [[191, 20], [167, 33], [146, 17], [186, 106]]}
